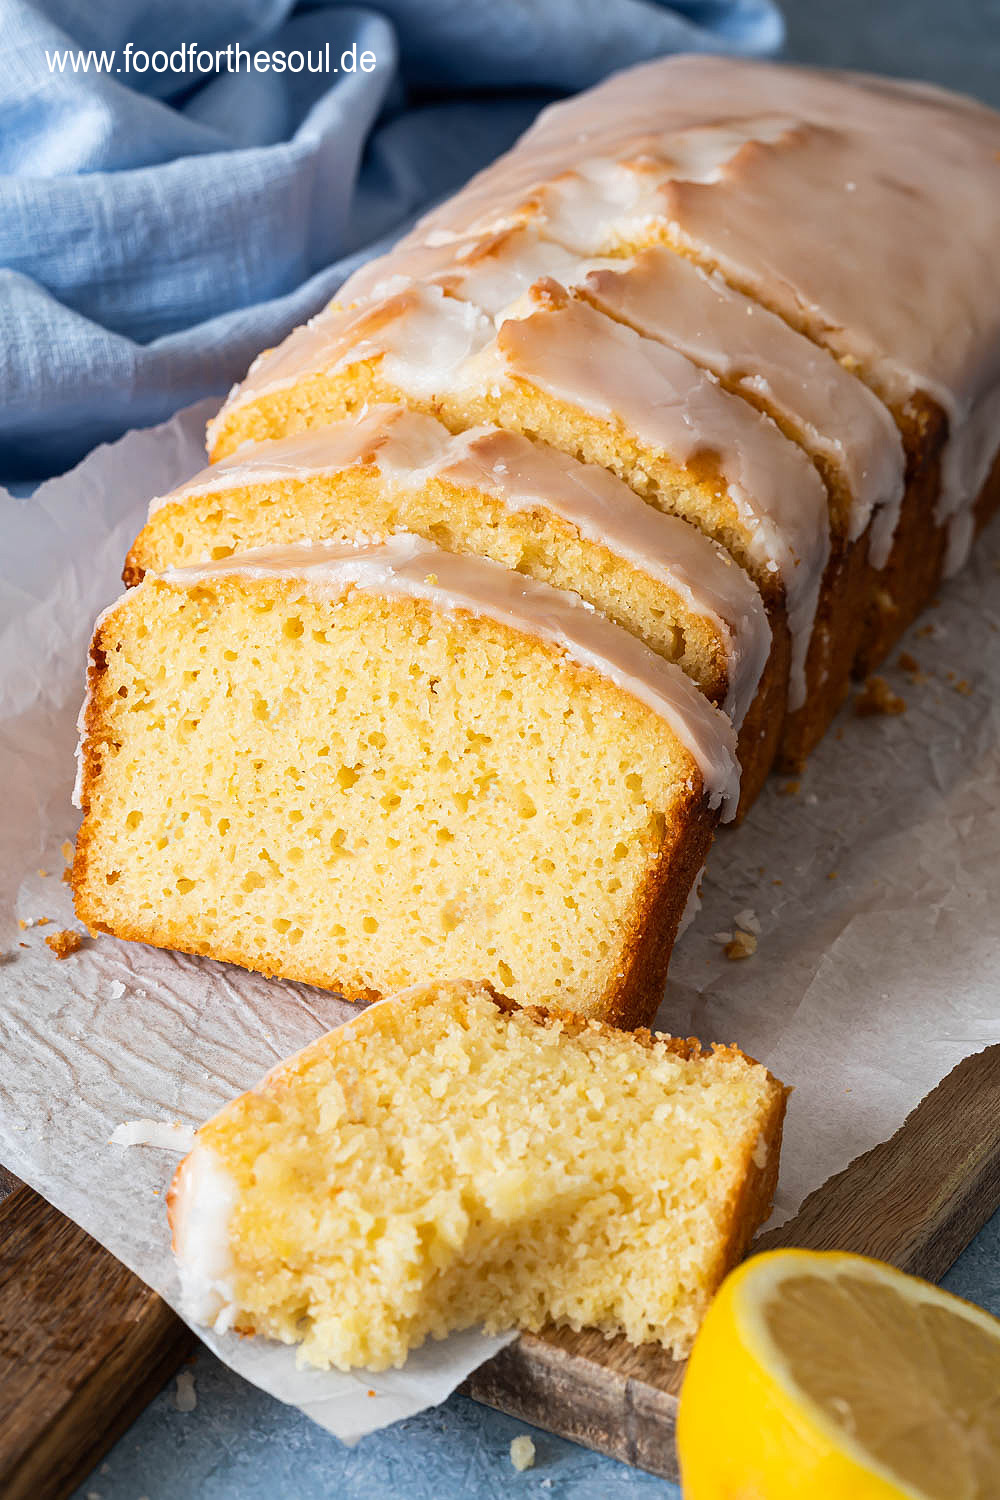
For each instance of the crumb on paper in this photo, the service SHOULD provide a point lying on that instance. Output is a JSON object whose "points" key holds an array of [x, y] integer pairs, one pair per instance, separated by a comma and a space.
{"points": [[67, 875], [522, 1452], [65, 942], [748, 920], [25, 922], [877, 697], [116, 990], [908, 663], [963, 687], [168, 1135], [831, 874], [67, 850], [43, 921], [185, 1396], [43, 874], [742, 945], [789, 789], [371, 1393], [777, 882], [722, 937]]}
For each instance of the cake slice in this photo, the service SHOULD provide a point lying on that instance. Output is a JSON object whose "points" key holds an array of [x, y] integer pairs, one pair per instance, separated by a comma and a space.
{"points": [[499, 495], [362, 766], [450, 1159]]}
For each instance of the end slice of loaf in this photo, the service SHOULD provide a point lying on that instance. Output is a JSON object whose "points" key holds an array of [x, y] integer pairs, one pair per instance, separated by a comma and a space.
{"points": [[450, 1159], [361, 766]]}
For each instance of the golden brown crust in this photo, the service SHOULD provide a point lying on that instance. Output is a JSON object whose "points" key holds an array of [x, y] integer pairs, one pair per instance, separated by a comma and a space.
{"points": [[840, 620], [657, 916], [761, 730], [754, 1197], [907, 584]]}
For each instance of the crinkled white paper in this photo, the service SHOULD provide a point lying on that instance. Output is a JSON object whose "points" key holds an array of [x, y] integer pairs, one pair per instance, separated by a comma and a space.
{"points": [[876, 889]]}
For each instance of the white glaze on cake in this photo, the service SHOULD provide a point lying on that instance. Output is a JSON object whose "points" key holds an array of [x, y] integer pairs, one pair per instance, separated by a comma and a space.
{"points": [[429, 344], [409, 449], [865, 211], [409, 567], [677, 409], [201, 1202], [668, 297]]}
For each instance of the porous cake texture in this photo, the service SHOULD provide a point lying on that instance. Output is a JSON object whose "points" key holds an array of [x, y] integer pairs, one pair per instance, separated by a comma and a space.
{"points": [[449, 1159], [363, 766], [499, 495]]}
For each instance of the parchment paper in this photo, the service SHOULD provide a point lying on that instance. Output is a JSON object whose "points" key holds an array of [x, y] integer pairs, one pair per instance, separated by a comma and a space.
{"points": [[875, 886]]}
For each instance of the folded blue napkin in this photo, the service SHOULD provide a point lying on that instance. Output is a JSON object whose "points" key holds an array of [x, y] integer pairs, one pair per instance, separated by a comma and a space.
{"points": [[167, 209]]}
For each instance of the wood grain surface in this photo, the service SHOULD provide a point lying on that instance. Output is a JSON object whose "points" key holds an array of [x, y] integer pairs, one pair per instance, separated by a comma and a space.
{"points": [[84, 1345]]}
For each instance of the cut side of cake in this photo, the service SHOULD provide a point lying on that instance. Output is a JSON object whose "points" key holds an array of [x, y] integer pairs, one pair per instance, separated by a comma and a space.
{"points": [[358, 766], [449, 1159], [487, 492]]}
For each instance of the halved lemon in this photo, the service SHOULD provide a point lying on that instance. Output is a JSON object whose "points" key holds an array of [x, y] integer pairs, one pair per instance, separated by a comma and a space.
{"points": [[822, 1376]]}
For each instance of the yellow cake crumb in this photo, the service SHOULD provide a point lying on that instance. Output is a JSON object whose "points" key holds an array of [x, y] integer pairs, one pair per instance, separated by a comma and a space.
{"points": [[877, 697], [364, 792], [522, 1452], [741, 945], [64, 943]]}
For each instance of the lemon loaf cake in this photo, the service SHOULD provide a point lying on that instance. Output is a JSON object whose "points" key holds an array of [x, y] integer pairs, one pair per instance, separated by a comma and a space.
{"points": [[821, 201], [355, 766], [502, 496], [450, 1159]]}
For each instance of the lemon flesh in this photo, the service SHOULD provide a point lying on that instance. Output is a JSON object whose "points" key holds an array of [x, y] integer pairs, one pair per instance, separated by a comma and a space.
{"points": [[834, 1377]]}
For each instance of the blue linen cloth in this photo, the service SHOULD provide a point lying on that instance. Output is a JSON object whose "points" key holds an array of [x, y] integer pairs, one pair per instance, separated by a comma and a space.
{"points": [[158, 227]]}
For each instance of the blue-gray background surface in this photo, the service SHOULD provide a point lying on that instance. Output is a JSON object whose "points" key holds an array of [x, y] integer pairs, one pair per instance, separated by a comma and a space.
{"points": [[240, 1443]]}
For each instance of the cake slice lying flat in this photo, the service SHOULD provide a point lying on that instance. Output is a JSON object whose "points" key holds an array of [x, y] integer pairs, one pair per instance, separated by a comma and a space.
{"points": [[492, 493], [449, 1159], [363, 766]]}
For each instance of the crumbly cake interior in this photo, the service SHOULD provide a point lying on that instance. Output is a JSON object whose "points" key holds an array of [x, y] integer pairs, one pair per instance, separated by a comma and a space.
{"points": [[360, 794], [439, 1163]]}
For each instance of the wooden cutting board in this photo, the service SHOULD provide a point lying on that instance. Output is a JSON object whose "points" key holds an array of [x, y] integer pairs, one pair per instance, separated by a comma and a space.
{"points": [[84, 1345]]}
